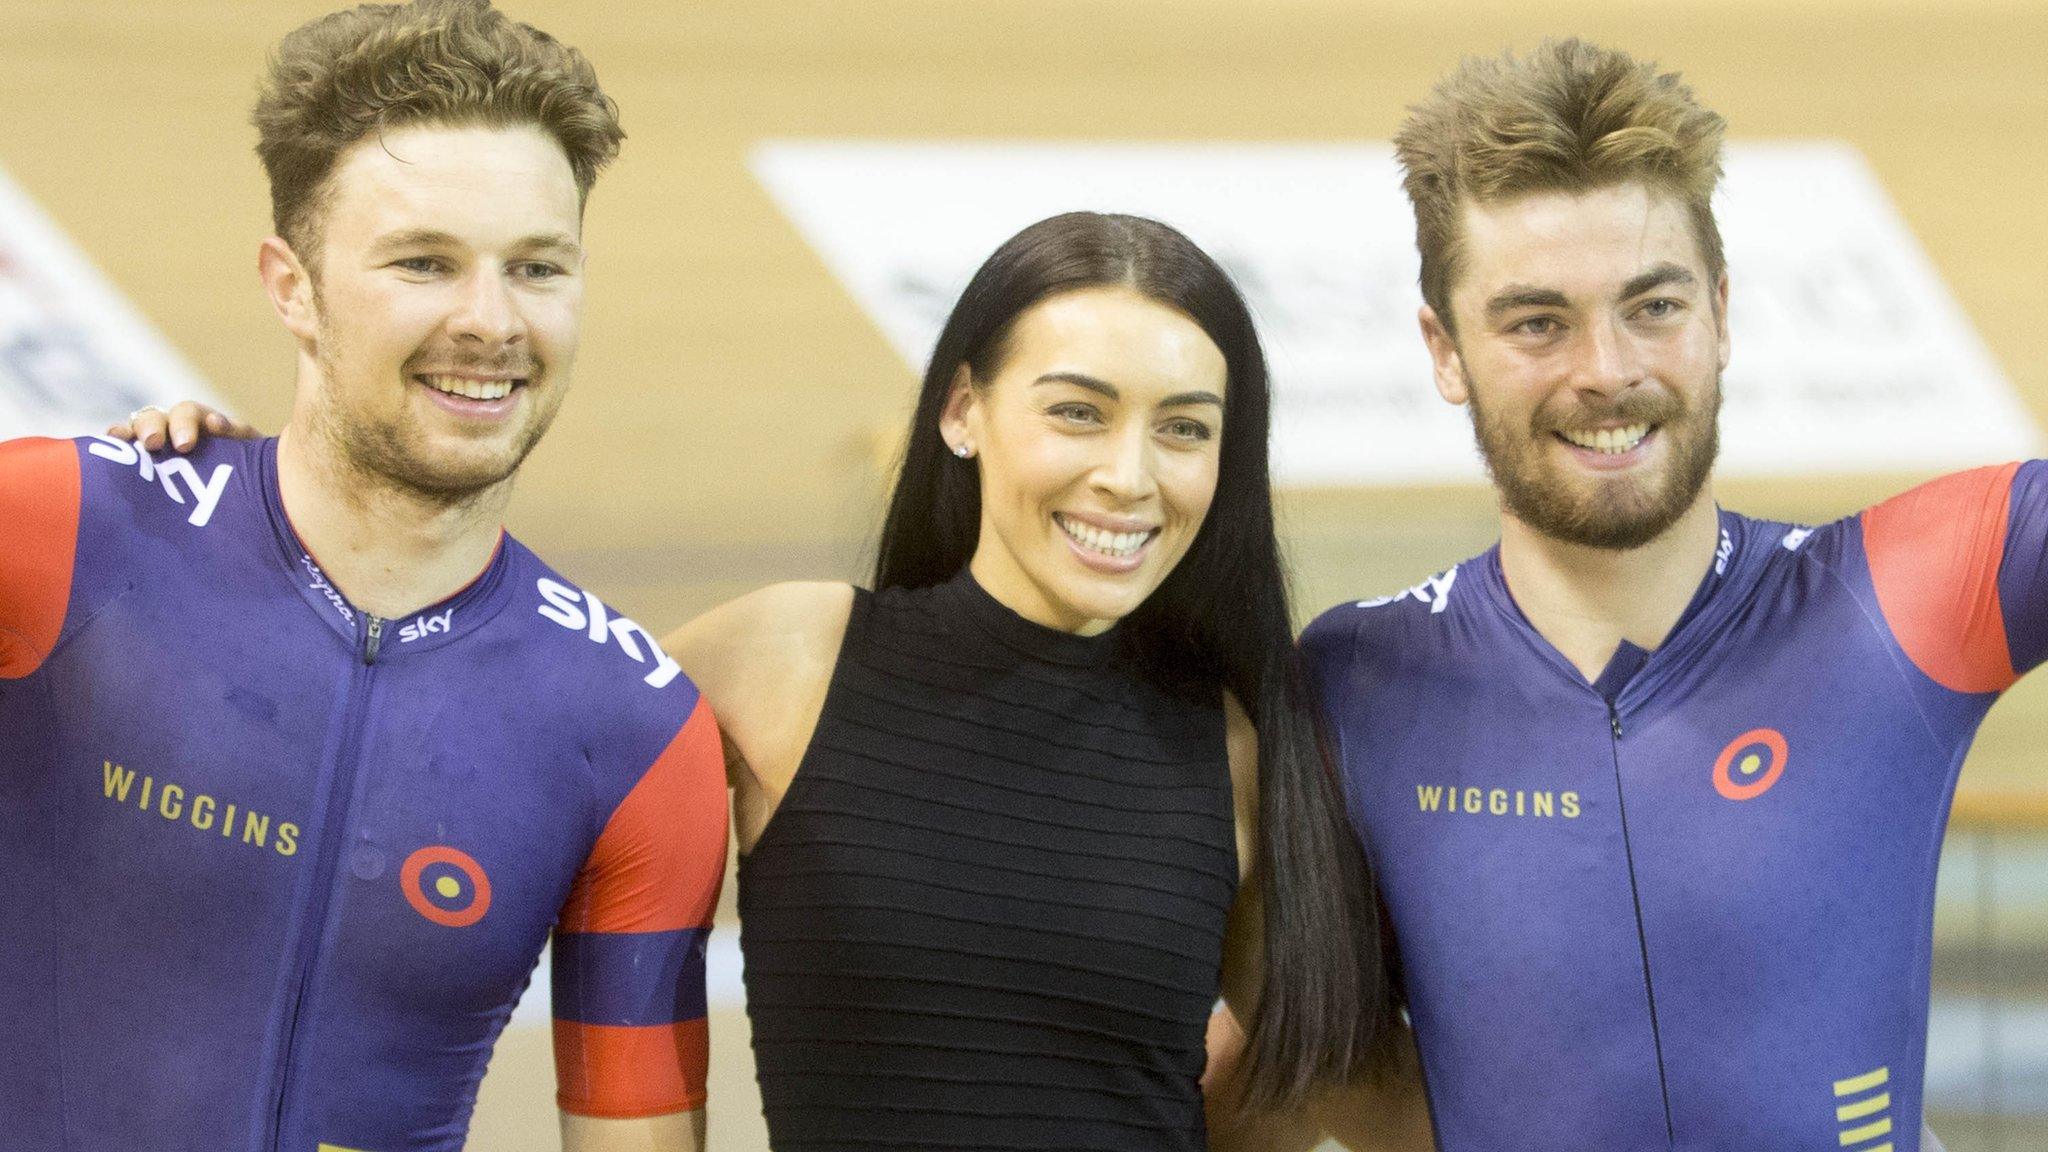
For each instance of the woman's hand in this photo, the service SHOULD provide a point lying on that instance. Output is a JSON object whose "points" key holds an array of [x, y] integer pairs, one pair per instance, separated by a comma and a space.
{"points": [[182, 427]]}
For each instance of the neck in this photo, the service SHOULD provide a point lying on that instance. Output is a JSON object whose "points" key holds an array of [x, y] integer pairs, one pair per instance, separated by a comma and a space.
{"points": [[1586, 600], [391, 551]]}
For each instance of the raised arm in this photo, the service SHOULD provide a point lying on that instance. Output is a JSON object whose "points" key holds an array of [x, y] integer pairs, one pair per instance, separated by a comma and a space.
{"points": [[1960, 569]]}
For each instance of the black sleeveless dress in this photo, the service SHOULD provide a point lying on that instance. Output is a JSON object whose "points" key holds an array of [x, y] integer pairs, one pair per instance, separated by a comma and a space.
{"points": [[989, 912]]}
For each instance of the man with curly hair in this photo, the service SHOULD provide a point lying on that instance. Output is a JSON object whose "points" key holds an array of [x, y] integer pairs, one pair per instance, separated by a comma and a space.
{"points": [[301, 757]]}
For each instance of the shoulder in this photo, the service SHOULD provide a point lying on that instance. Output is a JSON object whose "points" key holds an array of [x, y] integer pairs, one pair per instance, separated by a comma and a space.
{"points": [[598, 659], [757, 655], [1358, 626], [794, 624]]}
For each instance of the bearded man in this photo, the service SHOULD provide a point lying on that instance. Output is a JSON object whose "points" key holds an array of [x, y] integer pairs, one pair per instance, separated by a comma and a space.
{"points": [[1655, 790]]}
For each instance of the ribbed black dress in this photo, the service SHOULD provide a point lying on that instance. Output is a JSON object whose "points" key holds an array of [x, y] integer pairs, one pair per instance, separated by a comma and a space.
{"points": [[989, 912]]}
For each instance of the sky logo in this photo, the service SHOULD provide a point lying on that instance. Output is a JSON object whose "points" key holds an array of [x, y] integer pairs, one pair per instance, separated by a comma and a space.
{"points": [[582, 610], [1435, 592], [173, 474], [425, 626]]}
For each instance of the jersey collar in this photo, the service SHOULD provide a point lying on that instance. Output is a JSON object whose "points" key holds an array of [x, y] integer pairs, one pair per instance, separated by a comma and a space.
{"points": [[430, 627]]}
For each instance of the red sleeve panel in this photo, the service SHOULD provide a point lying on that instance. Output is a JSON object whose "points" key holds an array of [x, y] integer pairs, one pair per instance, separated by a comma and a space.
{"points": [[1935, 555], [40, 493], [629, 1000]]}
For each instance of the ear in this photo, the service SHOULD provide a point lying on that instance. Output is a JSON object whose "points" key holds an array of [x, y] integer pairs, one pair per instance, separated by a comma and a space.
{"points": [[1721, 316], [1446, 362], [960, 419], [290, 288]]}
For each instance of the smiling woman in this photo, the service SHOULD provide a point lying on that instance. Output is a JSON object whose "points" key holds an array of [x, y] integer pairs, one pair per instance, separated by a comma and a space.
{"points": [[994, 813]]}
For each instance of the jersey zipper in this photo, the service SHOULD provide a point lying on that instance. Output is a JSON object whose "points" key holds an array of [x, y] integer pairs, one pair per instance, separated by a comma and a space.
{"points": [[334, 822], [1642, 937]]}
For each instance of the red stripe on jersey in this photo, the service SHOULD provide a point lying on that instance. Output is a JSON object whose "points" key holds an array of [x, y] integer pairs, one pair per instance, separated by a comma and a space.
{"points": [[40, 493], [658, 864], [620, 1072], [1934, 555]]}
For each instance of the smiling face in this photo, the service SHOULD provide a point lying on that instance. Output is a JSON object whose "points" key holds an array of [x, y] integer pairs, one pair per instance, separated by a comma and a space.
{"points": [[442, 318], [1098, 441], [1589, 343]]}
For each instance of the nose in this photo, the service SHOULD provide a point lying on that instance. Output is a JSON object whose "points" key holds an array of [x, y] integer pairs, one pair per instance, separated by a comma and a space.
{"points": [[487, 313], [1605, 360], [1125, 473]]}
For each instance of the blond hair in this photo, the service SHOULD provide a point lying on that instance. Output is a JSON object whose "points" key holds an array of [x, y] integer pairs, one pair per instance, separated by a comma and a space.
{"points": [[374, 67], [1570, 117]]}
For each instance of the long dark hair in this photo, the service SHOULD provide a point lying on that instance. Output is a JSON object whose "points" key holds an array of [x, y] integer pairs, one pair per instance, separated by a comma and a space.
{"points": [[1219, 618]]}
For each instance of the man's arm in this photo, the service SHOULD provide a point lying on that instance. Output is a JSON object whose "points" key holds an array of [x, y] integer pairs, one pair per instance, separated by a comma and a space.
{"points": [[675, 1132], [1960, 569], [40, 497], [631, 1036]]}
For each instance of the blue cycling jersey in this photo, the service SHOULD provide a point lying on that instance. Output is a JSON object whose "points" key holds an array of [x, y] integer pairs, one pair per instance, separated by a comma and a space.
{"points": [[1687, 906], [278, 870]]}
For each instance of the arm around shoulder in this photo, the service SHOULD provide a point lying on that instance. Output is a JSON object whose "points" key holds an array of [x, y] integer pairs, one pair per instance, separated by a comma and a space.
{"points": [[764, 662]]}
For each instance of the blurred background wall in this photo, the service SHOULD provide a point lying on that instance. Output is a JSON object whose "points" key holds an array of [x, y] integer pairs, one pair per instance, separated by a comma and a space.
{"points": [[735, 405]]}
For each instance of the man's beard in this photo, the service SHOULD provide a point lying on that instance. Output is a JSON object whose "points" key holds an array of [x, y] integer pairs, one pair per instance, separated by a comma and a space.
{"points": [[1617, 512], [395, 452]]}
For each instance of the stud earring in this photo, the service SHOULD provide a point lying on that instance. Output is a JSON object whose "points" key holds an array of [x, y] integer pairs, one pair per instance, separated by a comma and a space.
{"points": [[963, 451]]}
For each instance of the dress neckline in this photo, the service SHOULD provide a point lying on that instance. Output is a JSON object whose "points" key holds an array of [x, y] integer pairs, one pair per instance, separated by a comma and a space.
{"points": [[1028, 637]]}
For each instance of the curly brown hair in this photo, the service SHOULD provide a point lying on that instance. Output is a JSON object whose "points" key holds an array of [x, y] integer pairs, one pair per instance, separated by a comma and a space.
{"points": [[374, 67], [1570, 117]]}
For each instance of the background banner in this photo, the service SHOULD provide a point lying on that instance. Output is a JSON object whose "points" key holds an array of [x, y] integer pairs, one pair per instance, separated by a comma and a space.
{"points": [[1850, 354], [74, 355]]}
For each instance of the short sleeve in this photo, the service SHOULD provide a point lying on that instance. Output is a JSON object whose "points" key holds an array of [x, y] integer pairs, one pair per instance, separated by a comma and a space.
{"points": [[630, 1033], [40, 495], [1958, 568]]}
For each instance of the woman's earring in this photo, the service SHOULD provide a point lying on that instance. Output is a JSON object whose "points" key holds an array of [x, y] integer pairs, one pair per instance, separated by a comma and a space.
{"points": [[963, 451]]}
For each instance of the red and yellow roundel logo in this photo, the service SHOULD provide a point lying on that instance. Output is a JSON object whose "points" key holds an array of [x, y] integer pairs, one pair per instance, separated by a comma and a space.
{"points": [[446, 886], [1750, 764]]}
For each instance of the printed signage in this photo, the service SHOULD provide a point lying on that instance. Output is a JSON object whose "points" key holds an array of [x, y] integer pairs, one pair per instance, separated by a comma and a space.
{"points": [[1850, 354], [74, 356]]}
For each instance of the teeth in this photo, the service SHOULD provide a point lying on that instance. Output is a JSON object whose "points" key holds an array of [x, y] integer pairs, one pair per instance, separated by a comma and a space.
{"points": [[474, 389], [1612, 441], [1097, 540]]}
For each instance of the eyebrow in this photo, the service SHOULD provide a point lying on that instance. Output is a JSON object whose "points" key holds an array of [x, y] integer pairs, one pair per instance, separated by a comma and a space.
{"points": [[1658, 277], [1516, 296], [435, 238], [1108, 390]]}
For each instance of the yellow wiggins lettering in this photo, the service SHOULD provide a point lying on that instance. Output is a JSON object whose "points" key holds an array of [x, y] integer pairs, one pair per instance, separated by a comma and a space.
{"points": [[1520, 802], [173, 803], [118, 780]]}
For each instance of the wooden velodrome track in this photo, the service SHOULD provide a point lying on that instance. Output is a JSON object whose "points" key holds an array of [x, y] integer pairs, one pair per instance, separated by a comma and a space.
{"points": [[734, 404]]}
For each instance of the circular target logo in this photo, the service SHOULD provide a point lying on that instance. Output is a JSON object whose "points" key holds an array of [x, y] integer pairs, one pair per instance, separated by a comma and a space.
{"points": [[1750, 764], [446, 886]]}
